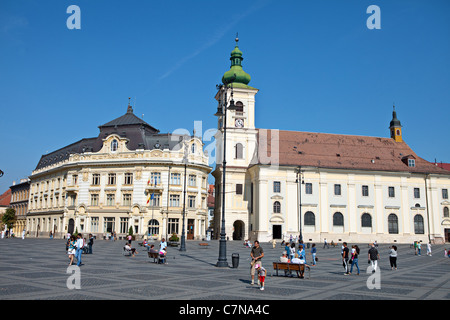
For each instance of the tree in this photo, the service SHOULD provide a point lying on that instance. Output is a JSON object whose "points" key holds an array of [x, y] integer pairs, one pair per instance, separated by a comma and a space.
{"points": [[130, 231], [9, 218]]}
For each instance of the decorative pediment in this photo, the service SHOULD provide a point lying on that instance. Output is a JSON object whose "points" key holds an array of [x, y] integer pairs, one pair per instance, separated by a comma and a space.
{"points": [[277, 218]]}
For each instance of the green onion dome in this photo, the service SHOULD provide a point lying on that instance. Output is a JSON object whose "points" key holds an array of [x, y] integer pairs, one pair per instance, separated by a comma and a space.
{"points": [[236, 74]]}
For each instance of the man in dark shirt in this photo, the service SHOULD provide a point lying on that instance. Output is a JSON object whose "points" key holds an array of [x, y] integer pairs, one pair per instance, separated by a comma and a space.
{"points": [[256, 254], [373, 257], [345, 256]]}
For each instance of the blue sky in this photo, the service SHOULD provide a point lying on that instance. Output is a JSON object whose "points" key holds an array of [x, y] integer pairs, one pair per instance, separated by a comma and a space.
{"points": [[317, 66]]}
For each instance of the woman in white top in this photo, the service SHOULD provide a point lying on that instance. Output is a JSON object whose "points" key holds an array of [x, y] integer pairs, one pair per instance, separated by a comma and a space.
{"points": [[393, 257]]}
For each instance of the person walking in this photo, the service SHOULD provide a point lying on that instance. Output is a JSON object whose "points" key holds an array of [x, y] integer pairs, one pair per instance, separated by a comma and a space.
{"points": [[313, 253], [354, 258], [393, 257], [261, 275], [71, 249], [373, 257], [162, 244], [419, 246], [23, 234], [345, 257], [256, 254], [91, 242], [325, 244], [79, 249], [429, 249]]}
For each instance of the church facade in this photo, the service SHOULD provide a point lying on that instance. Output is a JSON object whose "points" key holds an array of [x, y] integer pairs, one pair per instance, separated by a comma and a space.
{"points": [[319, 186], [129, 177]]}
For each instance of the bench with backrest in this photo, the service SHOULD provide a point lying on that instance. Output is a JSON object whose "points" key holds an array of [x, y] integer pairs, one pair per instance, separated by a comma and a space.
{"points": [[299, 268], [155, 255]]}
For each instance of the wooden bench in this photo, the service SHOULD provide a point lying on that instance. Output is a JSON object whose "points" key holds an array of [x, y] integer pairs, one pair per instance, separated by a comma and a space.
{"points": [[203, 244], [154, 255], [299, 268]]}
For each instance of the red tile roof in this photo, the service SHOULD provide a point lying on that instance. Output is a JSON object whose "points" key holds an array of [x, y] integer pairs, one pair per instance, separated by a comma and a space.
{"points": [[445, 166], [5, 198], [339, 151]]}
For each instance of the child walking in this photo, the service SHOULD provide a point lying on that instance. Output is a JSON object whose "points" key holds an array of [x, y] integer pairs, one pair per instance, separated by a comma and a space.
{"points": [[262, 275]]}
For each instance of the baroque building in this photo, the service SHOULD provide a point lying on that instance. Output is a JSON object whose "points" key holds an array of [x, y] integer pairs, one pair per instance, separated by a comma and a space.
{"points": [[320, 186], [19, 202], [129, 176]]}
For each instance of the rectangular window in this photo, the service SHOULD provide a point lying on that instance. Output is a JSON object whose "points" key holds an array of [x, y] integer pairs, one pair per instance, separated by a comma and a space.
{"points": [[172, 226], [191, 201], [96, 179], [308, 188], [127, 199], [94, 199], [73, 200], [74, 180], [155, 201], [111, 178], [444, 193], [128, 178], [391, 192], [337, 190], [175, 178], [416, 193], [276, 186], [94, 224], [365, 191], [174, 200], [123, 225], [411, 163], [192, 180], [238, 188], [155, 178], [110, 199]]}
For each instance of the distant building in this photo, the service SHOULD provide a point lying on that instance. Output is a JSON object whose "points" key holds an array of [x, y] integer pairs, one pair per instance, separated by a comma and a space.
{"points": [[19, 202], [131, 175]]}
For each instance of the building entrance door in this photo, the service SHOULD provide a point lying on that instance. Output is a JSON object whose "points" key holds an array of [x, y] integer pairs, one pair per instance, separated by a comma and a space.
{"points": [[276, 231], [447, 235], [190, 230]]}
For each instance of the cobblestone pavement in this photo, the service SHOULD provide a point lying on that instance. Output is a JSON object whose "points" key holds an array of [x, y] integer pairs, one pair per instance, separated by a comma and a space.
{"points": [[36, 269]]}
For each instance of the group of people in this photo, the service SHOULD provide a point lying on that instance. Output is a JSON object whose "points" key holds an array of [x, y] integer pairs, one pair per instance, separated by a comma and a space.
{"points": [[76, 245], [162, 249], [418, 248], [350, 258]]}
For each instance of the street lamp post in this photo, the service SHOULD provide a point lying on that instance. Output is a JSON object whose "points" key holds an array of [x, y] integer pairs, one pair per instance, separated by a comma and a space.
{"points": [[300, 182], [222, 111], [183, 233]]}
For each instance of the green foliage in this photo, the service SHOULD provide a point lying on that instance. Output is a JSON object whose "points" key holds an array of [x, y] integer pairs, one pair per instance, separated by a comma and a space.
{"points": [[9, 218], [174, 237], [130, 231]]}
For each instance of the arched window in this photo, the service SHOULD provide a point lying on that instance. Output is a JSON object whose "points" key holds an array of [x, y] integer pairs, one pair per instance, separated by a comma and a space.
{"points": [[310, 219], [392, 224], [276, 207], [153, 227], [239, 107], [366, 220], [338, 219], [114, 145], [446, 215], [239, 151], [418, 224]]}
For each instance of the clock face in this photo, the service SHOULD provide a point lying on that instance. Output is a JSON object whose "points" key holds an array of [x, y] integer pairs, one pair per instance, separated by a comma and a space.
{"points": [[239, 123]]}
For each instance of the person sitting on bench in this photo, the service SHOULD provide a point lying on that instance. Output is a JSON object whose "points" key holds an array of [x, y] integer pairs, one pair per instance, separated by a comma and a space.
{"points": [[130, 249]]}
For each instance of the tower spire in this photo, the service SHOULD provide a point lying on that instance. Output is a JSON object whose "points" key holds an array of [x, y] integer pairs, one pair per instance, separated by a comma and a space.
{"points": [[395, 127], [130, 108]]}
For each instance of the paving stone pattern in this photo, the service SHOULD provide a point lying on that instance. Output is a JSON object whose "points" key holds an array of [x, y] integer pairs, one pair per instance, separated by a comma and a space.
{"points": [[36, 269]]}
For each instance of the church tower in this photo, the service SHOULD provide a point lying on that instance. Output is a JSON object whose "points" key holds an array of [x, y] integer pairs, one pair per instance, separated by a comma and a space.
{"points": [[241, 135], [395, 127]]}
